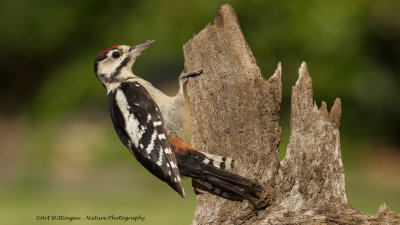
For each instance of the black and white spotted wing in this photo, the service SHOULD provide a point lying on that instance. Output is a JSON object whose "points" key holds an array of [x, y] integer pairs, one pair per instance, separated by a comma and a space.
{"points": [[139, 124]]}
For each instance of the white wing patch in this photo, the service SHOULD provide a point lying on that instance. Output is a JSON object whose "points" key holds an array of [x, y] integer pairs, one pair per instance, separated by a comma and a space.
{"points": [[160, 158], [145, 133], [168, 151], [158, 123], [150, 147], [173, 165], [131, 123], [162, 136]]}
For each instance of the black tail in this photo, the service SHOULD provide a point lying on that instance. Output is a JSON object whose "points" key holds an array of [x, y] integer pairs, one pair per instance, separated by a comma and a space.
{"points": [[208, 174], [225, 184]]}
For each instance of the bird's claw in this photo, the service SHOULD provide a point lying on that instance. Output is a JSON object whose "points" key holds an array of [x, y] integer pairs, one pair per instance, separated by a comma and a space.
{"points": [[190, 74]]}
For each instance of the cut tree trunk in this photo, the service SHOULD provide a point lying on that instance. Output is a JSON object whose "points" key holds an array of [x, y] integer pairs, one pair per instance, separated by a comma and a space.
{"points": [[235, 113]]}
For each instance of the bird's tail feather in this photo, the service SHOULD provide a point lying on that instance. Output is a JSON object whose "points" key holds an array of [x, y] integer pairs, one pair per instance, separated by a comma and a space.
{"points": [[226, 184], [209, 174]]}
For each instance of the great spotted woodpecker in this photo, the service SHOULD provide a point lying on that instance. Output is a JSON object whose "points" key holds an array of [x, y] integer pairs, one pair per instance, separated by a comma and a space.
{"points": [[150, 124]]}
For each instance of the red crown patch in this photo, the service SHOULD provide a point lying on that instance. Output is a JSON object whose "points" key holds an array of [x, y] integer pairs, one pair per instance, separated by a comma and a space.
{"points": [[106, 50]]}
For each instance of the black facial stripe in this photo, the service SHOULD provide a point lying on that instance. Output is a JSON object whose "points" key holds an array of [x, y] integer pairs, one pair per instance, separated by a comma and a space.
{"points": [[101, 58], [119, 68], [96, 64], [104, 77]]}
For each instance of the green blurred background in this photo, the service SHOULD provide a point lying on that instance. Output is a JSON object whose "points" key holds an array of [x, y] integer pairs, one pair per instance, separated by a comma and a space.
{"points": [[59, 154]]}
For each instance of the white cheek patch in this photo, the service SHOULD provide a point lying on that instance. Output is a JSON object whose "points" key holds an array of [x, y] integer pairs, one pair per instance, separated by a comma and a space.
{"points": [[107, 67]]}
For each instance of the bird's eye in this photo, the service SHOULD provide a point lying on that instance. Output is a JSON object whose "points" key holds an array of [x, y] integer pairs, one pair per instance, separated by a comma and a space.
{"points": [[116, 55]]}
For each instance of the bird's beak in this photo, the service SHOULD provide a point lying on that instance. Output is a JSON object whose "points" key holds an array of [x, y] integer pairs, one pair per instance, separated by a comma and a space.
{"points": [[135, 51]]}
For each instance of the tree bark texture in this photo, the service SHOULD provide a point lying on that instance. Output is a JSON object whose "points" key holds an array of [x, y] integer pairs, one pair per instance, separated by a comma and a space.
{"points": [[235, 113]]}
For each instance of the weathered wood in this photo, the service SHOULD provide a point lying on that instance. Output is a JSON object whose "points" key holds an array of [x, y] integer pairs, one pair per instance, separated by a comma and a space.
{"points": [[312, 172], [235, 112]]}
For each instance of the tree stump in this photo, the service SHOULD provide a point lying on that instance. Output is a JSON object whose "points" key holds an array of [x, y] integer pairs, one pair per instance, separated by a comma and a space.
{"points": [[235, 113]]}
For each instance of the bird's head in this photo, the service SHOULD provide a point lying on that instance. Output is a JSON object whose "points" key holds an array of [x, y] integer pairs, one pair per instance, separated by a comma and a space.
{"points": [[114, 64]]}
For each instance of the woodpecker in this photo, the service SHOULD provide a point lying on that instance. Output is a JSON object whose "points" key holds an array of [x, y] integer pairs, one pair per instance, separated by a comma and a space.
{"points": [[150, 124]]}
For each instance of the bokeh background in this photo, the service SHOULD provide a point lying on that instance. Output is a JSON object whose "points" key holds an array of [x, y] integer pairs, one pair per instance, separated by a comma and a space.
{"points": [[59, 154]]}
